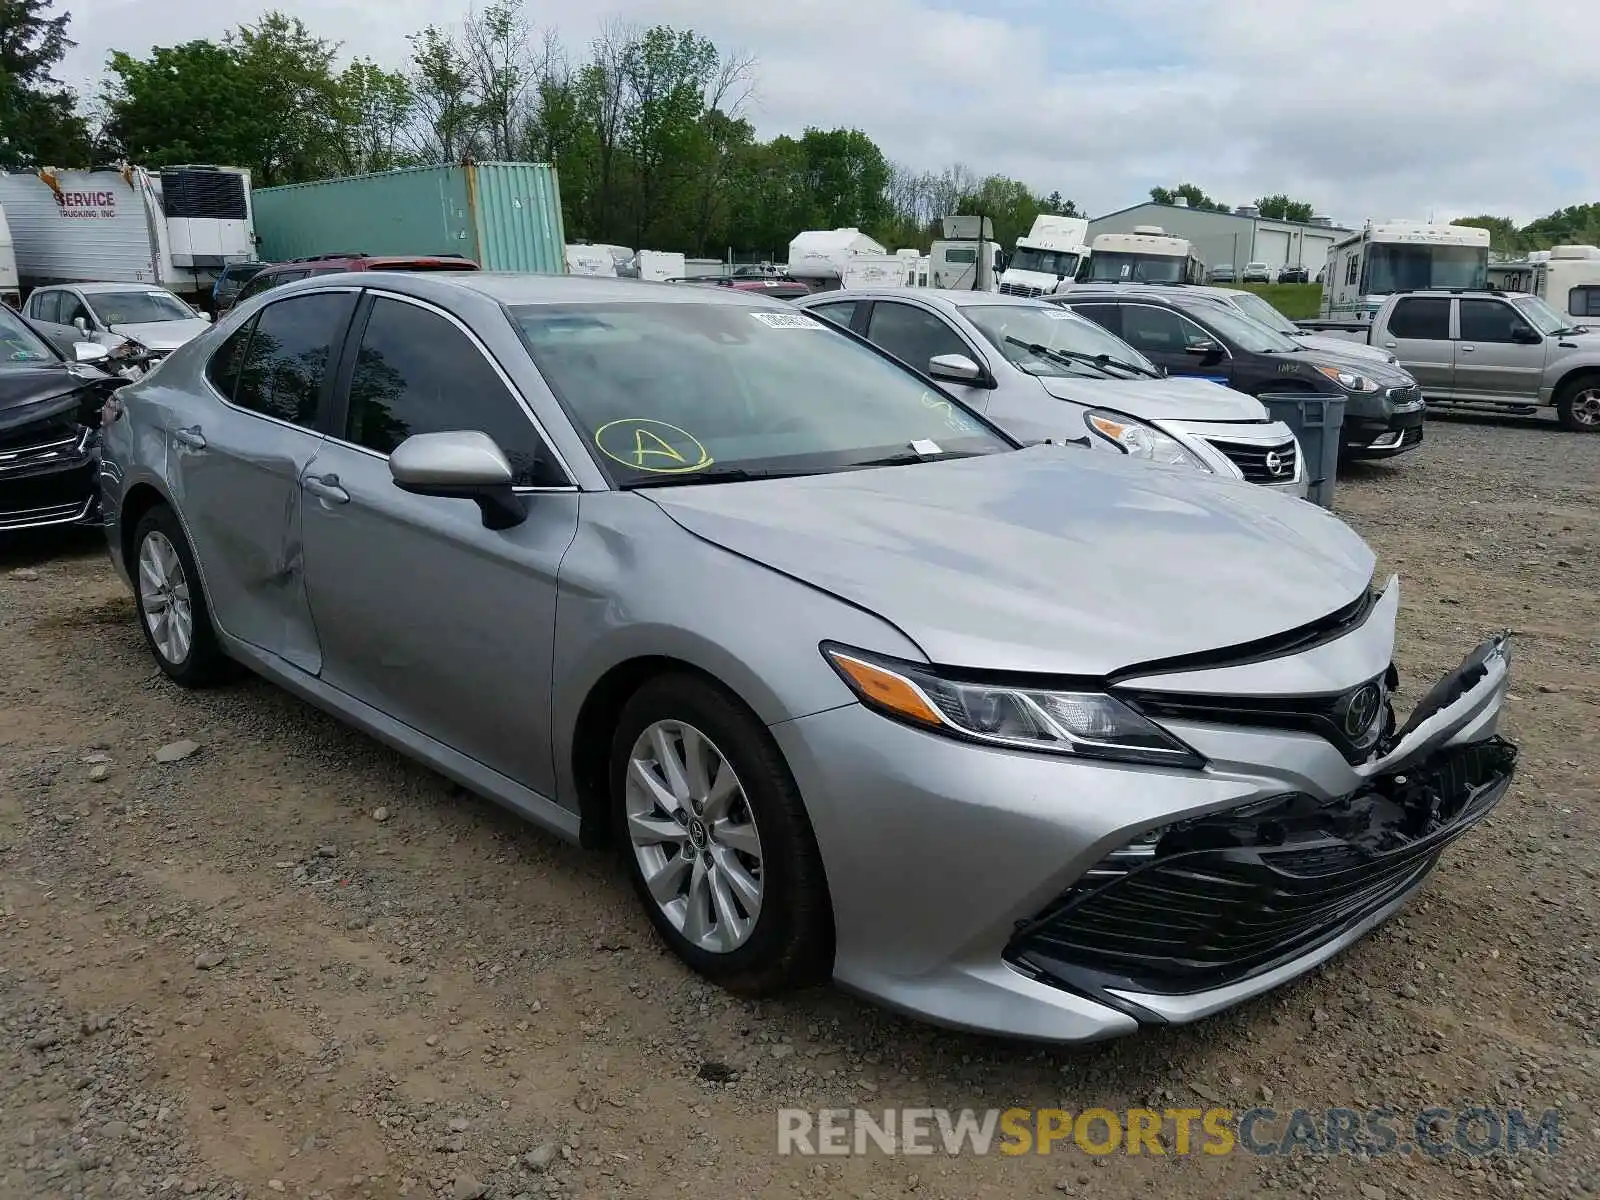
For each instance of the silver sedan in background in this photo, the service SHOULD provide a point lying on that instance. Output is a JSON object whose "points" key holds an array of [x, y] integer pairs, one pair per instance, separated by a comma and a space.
{"points": [[1039, 741]]}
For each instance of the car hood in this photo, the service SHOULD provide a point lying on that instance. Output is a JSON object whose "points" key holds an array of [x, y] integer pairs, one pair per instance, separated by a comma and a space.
{"points": [[1383, 373], [38, 393], [1338, 346], [162, 335], [1174, 399], [1051, 559]]}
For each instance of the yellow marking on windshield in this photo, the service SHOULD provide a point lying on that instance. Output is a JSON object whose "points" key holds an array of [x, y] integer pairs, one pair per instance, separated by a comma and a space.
{"points": [[654, 447]]}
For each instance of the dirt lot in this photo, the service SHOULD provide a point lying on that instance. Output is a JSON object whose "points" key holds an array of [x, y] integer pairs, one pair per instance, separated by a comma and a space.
{"points": [[227, 976]]}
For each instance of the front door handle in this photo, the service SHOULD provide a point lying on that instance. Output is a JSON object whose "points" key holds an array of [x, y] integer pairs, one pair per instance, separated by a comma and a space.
{"points": [[326, 487], [190, 437], [1468, 349]]}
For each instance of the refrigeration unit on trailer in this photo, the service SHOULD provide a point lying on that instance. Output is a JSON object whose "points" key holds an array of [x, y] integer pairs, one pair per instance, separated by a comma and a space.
{"points": [[1047, 257], [1569, 282], [1400, 256], [1147, 255], [176, 228], [819, 256]]}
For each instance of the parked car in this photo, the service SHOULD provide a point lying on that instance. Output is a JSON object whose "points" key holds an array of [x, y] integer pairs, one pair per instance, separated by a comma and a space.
{"points": [[318, 265], [153, 321], [1039, 372], [1487, 349], [1287, 274], [1221, 273], [1035, 741], [1196, 336], [1257, 272], [225, 292], [49, 420], [755, 283]]}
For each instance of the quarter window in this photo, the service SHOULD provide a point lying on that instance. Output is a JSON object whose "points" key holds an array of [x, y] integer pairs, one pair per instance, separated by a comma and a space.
{"points": [[1491, 321], [1352, 270], [418, 373], [1421, 318], [286, 361], [913, 335], [840, 312]]}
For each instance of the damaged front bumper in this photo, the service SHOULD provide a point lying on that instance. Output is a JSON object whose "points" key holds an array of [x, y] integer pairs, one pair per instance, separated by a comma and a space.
{"points": [[49, 475]]}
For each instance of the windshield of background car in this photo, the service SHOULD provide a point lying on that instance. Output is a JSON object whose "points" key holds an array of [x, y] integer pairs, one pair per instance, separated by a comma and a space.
{"points": [[1245, 332], [1053, 328], [138, 308], [1048, 262], [1257, 309], [1109, 266], [1540, 315], [18, 343], [674, 389]]}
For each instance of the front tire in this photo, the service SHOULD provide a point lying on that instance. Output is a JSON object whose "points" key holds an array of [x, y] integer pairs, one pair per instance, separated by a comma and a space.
{"points": [[1578, 405], [716, 839], [172, 606]]}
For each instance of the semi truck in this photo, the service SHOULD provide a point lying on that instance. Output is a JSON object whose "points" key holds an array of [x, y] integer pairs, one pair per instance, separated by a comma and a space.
{"points": [[1378, 260], [176, 228], [1046, 258], [1147, 255]]}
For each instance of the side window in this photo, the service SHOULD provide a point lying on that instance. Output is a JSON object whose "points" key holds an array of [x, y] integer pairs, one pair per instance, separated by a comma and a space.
{"points": [[840, 312], [1104, 315], [418, 373], [1421, 317], [45, 306], [223, 369], [1352, 270], [72, 308], [912, 335], [1584, 302], [255, 287], [286, 361], [1156, 330], [1491, 321]]}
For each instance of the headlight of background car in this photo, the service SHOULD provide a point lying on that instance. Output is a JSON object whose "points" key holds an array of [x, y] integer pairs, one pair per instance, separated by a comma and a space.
{"points": [[1085, 724], [1138, 440], [1348, 380]]}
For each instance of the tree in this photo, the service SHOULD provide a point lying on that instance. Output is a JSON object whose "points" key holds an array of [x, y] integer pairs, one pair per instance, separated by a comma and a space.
{"points": [[150, 106], [1056, 205], [372, 108], [667, 74], [1280, 208], [1195, 197], [1575, 224], [1503, 232], [287, 75], [39, 123], [499, 64], [446, 111]]}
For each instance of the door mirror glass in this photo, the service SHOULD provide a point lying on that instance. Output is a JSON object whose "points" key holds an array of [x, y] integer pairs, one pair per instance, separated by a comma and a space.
{"points": [[88, 352], [955, 368], [81, 324], [463, 465], [1524, 335], [1206, 352]]}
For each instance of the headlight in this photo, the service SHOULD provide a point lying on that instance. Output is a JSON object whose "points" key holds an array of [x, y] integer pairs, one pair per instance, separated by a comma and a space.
{"points": [[1349, 380], [1138, 440], [1084, 724]]}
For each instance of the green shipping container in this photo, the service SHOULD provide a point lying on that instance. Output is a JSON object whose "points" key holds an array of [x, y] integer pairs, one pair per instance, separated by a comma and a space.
{"points": [[505, 216]]}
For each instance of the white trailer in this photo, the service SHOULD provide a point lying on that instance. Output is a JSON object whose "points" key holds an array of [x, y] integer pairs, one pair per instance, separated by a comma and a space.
{"points": [[1047, 257], [584, 259], [660, 265], [177, 228], [10, 291], [878, 271], [819, 256], [1569, 282], [1376, 261]]}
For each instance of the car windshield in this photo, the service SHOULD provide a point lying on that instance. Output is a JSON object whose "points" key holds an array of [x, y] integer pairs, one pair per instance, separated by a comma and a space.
{"points": [[1109, 266], [1395, 267], [1245, 332], [1543, 318], [138, 308], [1253, 306], [18, 343], [1014, 328], [688, 392], [1047, 262]]}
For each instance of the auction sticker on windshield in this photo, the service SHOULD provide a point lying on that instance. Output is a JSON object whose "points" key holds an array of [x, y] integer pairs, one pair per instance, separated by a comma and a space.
{"points": [[656, 447], [787, 320]]}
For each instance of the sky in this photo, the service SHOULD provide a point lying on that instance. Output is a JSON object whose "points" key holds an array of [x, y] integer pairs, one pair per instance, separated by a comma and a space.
{"points": [[1366, 108]]}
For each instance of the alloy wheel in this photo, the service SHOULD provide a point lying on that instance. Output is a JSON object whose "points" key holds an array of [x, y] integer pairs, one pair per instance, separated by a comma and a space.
{"points": [[1586, 407], [164, 598], [694, 836]]}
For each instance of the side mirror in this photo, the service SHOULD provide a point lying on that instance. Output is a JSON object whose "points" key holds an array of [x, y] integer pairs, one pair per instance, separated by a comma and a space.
{"points": [[1206, 352], [81, 324], [460, 465], [204, 316], [89, 352], [1524, 336], [955, 368]]}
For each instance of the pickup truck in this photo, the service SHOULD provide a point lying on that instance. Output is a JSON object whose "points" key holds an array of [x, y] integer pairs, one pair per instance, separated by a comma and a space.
{"points": [[1505, 351]]}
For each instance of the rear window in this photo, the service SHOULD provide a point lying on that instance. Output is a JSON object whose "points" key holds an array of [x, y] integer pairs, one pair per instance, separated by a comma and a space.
{"points": [[435, 264]]}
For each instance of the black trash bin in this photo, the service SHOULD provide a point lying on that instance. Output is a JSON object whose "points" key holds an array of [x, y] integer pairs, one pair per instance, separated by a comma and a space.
{"points": [[1316, 421]]}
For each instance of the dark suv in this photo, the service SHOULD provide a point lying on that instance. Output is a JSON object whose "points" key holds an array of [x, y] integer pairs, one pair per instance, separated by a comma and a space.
{"points": [[332, 264], [1194, 335]]}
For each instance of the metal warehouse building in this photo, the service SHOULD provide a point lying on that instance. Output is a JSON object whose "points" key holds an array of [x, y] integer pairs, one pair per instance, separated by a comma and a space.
{"points": [[1241, 236]]}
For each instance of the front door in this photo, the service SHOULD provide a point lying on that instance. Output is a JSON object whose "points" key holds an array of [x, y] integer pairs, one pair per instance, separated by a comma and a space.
{"points": [[1499, 355], [916, 335], [1165, 337], [424, 614], [1418, 334], [237, 466]]}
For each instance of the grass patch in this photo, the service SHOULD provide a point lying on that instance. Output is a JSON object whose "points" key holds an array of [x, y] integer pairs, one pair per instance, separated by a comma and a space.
{"points": [[1297, 301]]}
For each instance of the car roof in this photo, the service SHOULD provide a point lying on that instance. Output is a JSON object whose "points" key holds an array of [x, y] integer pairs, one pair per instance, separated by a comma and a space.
{"points": [[510, 288], [951, 297], [1174, 296], [102, 287]]}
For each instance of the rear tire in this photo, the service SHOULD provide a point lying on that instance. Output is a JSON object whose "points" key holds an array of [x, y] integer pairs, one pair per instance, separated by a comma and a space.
{"points": [[1578, 404], [173, 613], [716, 839]]}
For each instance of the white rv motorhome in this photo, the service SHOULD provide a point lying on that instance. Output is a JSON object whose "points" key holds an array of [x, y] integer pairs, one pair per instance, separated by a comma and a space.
{"points": [[1400, 256], [1047, 257], [177, 228], [1569, 282], [1147, 255]]}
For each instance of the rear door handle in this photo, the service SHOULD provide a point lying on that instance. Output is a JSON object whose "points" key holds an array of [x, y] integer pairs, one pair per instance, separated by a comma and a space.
{"points": [[326, 487], [190, 437]]}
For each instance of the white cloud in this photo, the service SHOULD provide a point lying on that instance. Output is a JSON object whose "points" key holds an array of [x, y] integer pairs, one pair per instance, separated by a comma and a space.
{"points": [[1368, 109]]}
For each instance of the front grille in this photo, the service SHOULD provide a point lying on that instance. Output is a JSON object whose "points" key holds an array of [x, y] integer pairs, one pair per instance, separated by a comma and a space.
{"points": [[1226, 897], [1020, 289], [49, 514], [40, 448], [1403, 396], [1262, 464]]}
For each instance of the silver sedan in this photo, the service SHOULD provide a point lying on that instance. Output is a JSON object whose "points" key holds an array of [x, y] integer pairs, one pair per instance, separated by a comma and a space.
{"points": [[1039, 741]]}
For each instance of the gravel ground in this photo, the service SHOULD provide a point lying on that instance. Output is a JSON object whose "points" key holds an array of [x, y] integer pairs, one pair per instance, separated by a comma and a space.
{"points": [[291, 962]]}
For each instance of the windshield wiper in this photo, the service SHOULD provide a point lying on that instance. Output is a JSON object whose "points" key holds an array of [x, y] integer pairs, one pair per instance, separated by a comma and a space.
{"points": [[1074, 356], [717, 475], [907, 457]]}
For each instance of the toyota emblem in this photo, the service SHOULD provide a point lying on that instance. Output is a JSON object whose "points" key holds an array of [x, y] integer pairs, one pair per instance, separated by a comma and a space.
{"points": [[1275, 463], [1361, 711]]}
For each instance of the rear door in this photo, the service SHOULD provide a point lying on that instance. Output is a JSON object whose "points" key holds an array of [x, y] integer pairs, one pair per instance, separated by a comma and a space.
{"points": [[1499, 355], [1418, 334]]}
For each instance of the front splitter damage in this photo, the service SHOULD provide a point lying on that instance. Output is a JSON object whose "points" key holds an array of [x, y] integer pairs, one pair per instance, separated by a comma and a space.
{"points": [[1221, 899]]}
